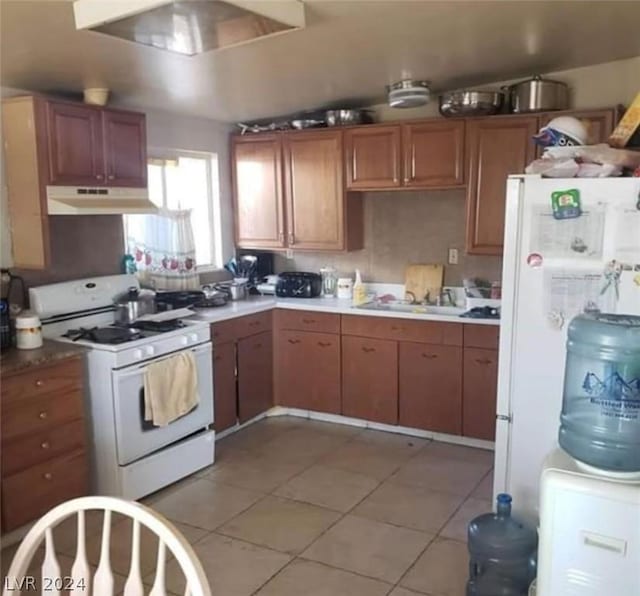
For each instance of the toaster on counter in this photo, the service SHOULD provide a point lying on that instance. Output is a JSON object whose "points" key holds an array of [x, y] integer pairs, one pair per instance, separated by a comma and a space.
{"points": [[298, 284]]}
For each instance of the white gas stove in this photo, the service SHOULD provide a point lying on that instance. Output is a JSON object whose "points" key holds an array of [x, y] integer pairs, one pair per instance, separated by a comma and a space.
{"points": [[130, 457]]}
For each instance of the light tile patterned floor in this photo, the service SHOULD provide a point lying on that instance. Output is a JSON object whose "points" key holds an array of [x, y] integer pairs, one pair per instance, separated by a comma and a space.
{"points": [[295, 507]]}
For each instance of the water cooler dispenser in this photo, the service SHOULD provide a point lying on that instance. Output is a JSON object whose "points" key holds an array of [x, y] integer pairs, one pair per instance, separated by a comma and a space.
{"points": [[589, 541]]}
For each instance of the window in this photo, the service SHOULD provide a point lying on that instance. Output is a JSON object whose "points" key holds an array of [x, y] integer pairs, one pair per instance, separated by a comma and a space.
{"points": [[189, 180]]}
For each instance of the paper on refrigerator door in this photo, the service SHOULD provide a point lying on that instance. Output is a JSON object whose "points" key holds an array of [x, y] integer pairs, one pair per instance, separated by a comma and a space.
{"points": [[569, 292], [627, 236], [577, 238]]}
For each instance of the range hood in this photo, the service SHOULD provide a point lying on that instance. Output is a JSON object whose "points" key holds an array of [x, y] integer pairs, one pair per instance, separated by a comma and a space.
{"points": [[73, 200], [189, 27]]}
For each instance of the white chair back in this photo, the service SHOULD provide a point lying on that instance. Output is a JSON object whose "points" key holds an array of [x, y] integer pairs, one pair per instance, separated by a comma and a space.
{"points": [[102, 583]]}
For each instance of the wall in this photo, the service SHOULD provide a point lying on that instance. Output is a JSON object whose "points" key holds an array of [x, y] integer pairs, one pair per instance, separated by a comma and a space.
{"points": [[402, 228], [406, 227], [86, 246]]}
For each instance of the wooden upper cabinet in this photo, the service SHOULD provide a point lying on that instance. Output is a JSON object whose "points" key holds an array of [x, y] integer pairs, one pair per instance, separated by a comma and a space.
{"points": [[496, 147], [373, 157], [125, 148], [314, 190], [433, 153], [257, 177], [76, 155]]}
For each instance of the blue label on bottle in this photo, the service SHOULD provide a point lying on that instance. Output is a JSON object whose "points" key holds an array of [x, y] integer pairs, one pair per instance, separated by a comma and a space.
{"points": [[616, 397]]}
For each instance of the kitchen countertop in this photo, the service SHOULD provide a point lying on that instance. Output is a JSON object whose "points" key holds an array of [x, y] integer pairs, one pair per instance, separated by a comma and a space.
{"points": [[14, 360], [256, 304]]}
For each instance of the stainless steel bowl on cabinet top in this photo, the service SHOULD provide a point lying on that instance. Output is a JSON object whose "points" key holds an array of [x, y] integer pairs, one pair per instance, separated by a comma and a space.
{"points": [[348, 117], [471, 103]]}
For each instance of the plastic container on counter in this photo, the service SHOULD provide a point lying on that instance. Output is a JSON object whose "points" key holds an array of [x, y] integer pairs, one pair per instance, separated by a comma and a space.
{"points": [[600, 420], [502, 553]]}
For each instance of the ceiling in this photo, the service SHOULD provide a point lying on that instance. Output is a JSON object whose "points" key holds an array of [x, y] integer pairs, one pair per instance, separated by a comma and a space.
{"points": [[348, 52]]}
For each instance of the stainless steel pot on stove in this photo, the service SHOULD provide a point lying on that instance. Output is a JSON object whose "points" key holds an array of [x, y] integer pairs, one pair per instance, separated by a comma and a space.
{"points": [[134, 303]]}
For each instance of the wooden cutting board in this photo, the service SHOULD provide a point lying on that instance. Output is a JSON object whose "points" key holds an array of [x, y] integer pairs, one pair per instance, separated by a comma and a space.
{"points": [[420, 279]]}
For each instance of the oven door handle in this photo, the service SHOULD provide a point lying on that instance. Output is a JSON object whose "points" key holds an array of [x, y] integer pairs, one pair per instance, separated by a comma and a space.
{"points": [[125, 373]]}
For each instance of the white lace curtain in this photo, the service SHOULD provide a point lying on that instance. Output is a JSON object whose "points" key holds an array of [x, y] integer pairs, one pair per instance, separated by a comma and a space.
{"points": [[163, 249]]}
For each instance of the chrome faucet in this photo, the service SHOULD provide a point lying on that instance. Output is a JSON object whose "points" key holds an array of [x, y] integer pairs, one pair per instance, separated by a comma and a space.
{"points": [[444, 298]]}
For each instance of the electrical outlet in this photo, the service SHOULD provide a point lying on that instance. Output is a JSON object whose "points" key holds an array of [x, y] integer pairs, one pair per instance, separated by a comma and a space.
{"points": [[289, 253], [453, 256]]}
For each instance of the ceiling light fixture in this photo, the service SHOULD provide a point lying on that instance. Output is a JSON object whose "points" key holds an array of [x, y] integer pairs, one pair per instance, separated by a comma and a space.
{"points": [[189, 27], [409, 94]]}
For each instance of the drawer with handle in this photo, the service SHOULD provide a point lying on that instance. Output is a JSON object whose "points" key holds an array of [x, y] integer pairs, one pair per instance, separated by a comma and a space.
{"points": [[433, 332], [62, 376], [36, 448], [235, 329], [28, 494], [40, 413], [304, 320]]}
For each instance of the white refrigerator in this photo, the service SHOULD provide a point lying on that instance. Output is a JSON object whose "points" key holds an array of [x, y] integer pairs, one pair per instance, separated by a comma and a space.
{"points": [[554, 268]]}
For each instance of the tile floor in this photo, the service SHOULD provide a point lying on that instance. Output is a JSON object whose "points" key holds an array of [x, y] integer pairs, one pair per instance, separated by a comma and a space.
{"points": [[295, 507]]}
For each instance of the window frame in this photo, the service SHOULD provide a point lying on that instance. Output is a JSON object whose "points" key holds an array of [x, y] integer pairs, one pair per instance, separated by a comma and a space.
{"points": [[211, 160]]}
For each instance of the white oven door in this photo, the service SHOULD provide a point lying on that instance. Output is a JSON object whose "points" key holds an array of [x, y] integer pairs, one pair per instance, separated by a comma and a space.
{"points": [[136, 437]]}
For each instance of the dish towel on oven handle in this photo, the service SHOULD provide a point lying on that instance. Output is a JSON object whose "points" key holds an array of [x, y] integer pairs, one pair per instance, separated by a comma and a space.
{"points": [[170, 388]]}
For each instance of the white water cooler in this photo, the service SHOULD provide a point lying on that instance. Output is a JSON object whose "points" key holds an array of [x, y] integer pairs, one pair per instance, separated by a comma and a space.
{"points": [[589, 531]]}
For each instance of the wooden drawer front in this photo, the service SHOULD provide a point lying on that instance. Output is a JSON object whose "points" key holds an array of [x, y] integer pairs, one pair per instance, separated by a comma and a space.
{"points": [[60, 377], [37, 448], [481, 336], [252, 324], [304, 320], [430, 332], [224, 331], [40, 413], [29, 494], [235, 329]]}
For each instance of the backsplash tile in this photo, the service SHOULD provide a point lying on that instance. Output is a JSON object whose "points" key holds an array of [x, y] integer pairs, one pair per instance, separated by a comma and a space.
{"points": [[403, 227]]}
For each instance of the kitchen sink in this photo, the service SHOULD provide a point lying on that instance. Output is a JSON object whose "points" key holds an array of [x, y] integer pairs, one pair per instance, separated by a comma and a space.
{"points": [[452, 311]]}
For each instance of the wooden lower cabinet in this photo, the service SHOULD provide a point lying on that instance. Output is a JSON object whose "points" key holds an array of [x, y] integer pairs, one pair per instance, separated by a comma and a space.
{"points": [[224, 386], [307, 371], [480, 386], [42, 441], [370, 379], [255, 375], [430, 387]]}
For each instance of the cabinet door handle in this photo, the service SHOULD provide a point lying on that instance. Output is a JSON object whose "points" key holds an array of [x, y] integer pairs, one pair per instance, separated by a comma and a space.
{"points": [[111, 177], [324, 344], [217, 358], [45, 445], [396, 328], [367, 350], [429, 356], [257, 346], [42, 415], [483, 361], [47, 475], [293, 341], [281, 237], [292, 239], [39, 383], [254, 323], [308, 321], [99, 176]]}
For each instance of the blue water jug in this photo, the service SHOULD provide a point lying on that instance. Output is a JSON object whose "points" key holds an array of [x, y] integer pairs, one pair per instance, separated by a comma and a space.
{"points": [[600, 420], [502, 553]]}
